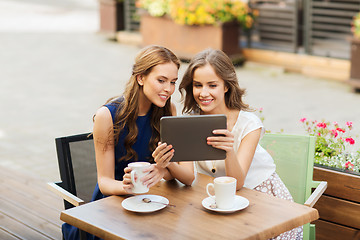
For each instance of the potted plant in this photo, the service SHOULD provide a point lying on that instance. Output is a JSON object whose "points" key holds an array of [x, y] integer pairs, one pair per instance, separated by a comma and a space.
{"points": [[336, 162], [355, 54], [187, 26], [111, 13]]}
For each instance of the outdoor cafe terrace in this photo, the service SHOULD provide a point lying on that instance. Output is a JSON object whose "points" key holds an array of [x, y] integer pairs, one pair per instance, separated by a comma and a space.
{"points": [[54, 79]]}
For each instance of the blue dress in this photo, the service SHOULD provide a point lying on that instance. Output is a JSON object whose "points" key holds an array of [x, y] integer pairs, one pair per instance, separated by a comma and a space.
{"points": [[141, 146]]}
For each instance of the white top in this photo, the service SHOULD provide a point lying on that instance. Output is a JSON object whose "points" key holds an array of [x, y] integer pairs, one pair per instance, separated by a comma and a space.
{"points": [[262, 165]]}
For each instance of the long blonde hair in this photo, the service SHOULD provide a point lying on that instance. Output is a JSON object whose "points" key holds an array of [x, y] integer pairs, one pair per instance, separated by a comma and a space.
{"points": [[225, 70], [128, 110]]}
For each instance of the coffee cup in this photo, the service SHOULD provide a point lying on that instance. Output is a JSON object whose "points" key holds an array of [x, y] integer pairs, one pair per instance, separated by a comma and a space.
{"points": [[225, 190], [138, 169]]}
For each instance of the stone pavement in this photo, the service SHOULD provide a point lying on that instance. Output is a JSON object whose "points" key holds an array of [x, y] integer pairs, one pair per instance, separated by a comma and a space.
{"points": [[55, 71]]}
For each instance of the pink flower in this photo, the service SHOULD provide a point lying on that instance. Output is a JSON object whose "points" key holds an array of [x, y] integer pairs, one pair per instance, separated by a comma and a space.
{"points": [[334, 132], [340, 130], [350, 140], [321, 125], [303, 120], [349, 165], [260, 109], [349, 124], [319, 134], [336, 124]]}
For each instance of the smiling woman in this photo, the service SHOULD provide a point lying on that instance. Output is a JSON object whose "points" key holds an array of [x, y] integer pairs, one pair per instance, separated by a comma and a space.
{"points": [[126, 130], [211, 87]]}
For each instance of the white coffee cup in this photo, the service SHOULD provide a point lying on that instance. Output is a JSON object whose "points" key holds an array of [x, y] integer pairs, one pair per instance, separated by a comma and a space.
{"points": [[138, 169], [225, 190]]}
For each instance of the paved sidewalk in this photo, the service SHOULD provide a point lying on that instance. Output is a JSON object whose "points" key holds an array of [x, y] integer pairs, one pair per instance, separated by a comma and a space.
{"points": [[55, 71]]}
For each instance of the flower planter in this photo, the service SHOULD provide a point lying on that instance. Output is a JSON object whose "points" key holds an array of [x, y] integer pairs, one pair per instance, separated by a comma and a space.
{"points": [[185, 41], [339, 207], [111, 14], [354, 64]]}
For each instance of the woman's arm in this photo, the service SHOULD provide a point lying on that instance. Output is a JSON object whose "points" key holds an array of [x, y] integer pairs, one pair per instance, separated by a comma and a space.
{"points": [[237, 164], [241, 161], [105, 155], [183, 171]]}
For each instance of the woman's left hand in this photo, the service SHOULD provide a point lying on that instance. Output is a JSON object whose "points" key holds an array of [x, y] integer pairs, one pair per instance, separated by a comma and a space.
{"points": [[156, 173], [224, 140], [163, 154]]}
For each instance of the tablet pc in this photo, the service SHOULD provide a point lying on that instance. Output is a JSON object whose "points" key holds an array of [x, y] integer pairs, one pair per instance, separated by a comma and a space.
{"points": [[187, 135]]}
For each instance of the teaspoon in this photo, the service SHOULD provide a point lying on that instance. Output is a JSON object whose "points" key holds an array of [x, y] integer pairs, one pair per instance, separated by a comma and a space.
{"points": [[148, 200]]}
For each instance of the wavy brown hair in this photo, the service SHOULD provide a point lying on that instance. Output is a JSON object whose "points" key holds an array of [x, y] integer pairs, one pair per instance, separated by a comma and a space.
{"points": [[128, 110], [224, 69]]}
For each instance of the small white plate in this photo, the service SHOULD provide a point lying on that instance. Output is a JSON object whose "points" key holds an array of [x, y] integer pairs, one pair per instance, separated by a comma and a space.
{"points": [[240, 203], [136, 203]]}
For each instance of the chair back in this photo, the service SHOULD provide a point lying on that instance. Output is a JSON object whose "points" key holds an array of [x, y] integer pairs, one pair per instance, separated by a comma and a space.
{"points": [[294, 159], [77, 165]]}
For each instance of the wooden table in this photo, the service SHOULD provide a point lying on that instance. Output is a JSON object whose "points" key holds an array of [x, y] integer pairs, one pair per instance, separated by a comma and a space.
{"points": [[265, 217]]}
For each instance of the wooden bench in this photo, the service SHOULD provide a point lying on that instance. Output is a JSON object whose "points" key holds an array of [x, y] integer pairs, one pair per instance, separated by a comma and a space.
{"points": [[28, 210]]}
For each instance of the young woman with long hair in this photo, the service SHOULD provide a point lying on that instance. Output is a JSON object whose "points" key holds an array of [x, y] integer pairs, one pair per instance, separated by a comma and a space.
{"points": [[127, 129], [210, 86]]}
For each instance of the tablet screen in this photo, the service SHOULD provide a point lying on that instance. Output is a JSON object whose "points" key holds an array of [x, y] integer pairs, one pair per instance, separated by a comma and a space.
{"points": [[187, 135]]}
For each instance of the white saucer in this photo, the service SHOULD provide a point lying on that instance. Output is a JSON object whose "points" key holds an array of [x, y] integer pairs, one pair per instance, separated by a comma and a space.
{"points": [[240, 203], [136, 204]]}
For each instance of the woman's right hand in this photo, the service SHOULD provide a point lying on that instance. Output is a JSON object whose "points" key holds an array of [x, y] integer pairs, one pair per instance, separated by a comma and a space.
{"points": [[163, 154], [224, 140], [127, 184]]}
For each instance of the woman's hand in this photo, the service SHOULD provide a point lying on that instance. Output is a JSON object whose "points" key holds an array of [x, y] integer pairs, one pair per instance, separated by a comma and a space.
{"points": [[156, 173], [127, 184], [163, 154], [224, 141]]}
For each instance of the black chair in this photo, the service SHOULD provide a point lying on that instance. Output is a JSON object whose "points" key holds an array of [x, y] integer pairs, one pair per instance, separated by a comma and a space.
{"points": [[77, 165]]}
